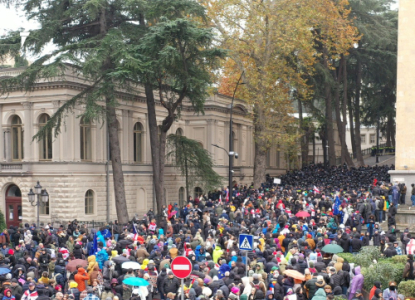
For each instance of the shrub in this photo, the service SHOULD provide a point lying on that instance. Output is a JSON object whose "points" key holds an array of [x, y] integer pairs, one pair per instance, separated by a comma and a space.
{"points": [[407, 288], [366, 256], [399, 259], [350, 258], [383, 272]]}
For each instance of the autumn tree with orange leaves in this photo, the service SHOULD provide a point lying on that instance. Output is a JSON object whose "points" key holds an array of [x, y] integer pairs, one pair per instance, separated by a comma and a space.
{"points": [[274, 44]]}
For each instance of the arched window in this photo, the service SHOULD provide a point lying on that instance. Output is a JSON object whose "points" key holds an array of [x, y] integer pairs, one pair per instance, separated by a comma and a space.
{"points": [[198, 192], [181, 196], [89, 202], [17, 139], [179, 132], [138, 142], [86, 149], [45, 145]]}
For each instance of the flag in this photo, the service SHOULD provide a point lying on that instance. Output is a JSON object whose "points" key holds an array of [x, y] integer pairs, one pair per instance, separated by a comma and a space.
{"points": [[316, 190], [94, 248], [227, 195], [134, 229], [336, 209], [220, 198]]}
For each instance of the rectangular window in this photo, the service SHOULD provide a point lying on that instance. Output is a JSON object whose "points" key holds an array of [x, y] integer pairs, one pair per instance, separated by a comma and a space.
{"points": [[363, 138], [89, 207], [373, 138], [44, 209]]}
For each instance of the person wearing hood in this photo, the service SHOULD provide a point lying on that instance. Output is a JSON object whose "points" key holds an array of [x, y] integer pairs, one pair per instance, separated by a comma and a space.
{"points": [[319, 295], [77, 251], [101, 256], [8, 295], [376, 285], [217, 253], [258, 284], [357, 282], [409, 270], [270, 296], [283, 264], [80, 279]]}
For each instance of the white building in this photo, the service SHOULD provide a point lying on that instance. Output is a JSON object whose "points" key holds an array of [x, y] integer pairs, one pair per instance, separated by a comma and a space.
{"points": [[72, 166]]}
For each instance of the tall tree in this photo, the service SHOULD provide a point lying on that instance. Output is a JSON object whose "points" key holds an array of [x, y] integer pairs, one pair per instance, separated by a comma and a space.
{"points": [[194, 162], [273, 43], [179, 56], [372, 68]]}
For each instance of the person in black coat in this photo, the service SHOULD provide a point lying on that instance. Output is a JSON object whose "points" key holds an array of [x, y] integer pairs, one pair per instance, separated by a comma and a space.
{"points": [[356, 244], [77, 251], [390, 251], [344, 242], [170, 284]]}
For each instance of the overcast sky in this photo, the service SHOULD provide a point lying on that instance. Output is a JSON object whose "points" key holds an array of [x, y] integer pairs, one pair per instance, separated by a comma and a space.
{"points": [[11, 19]]}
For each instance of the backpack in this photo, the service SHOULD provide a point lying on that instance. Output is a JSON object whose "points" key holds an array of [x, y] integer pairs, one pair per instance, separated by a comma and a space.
{"points": [[381, 204]]}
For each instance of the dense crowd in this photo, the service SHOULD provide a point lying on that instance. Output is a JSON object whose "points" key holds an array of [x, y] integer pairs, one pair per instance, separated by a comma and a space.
{"points": [[292, 223]]}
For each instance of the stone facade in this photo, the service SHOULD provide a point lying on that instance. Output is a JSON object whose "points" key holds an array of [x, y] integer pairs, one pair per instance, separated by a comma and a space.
{"points": [[67, 177], [405, 108]]}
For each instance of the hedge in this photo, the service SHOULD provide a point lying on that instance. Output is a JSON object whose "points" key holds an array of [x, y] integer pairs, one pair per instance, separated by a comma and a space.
{"points": [[407, 288]]}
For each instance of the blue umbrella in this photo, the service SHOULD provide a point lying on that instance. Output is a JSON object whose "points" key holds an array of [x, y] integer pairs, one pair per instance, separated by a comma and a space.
{"points": [[136, 281], [4, 271]]}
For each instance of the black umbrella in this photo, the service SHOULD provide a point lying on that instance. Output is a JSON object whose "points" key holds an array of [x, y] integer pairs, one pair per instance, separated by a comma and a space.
{"points": [[125, 243], [120, 259]]}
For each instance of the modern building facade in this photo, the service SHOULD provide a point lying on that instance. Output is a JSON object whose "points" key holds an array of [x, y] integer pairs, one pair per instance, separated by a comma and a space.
{"points": [[72, 166]]}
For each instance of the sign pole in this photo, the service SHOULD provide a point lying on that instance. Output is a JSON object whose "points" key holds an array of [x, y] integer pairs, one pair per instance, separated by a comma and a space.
{"points": [[246, 263], [182, 289]]}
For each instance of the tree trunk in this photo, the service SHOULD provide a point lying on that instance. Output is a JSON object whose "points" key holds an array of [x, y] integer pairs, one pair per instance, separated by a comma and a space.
{"points": [[329, 117], [260, 148], [155, 148], [356, 110], [304, 144], [351, 125], [348, 159], [117, 173], [314, 149]]}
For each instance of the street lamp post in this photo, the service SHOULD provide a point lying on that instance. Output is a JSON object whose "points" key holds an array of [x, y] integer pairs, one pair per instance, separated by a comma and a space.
{"points": [[231, 152], [42, 198]]}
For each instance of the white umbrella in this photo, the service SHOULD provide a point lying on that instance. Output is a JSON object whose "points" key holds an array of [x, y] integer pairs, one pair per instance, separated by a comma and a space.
{"points": [[131, 265]]}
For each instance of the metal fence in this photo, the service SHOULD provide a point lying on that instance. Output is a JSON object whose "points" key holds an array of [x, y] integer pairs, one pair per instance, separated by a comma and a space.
{"points": [[89, 224], [383, 150]]}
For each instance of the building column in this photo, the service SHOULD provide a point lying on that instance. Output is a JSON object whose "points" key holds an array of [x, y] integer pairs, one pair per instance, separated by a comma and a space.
{"points": [[3, 144], [125, 132], [56, 141], [28, 132], [7, 144]]}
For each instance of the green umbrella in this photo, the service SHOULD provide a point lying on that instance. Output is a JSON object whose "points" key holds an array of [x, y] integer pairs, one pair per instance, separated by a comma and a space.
{"points": [[332, 248]]}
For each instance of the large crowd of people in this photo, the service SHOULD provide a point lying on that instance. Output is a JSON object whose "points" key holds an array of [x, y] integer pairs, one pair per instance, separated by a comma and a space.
{"points": [[291, 223]]}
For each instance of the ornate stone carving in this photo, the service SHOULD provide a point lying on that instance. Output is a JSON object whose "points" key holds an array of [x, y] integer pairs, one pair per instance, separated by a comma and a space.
{"points": [[27, 105], [55, 103]]}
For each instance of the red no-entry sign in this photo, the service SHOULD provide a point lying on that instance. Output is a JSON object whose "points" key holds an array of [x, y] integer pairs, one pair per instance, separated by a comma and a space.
{"points": [[181, 267]]}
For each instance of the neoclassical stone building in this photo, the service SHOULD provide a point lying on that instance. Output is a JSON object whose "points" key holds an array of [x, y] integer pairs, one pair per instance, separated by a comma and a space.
{"points": [[72, 166]]}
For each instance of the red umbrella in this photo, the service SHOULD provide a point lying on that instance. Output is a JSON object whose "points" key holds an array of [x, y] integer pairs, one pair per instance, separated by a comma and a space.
{"points": [[71, 266], [172, 213], [302, 214]]}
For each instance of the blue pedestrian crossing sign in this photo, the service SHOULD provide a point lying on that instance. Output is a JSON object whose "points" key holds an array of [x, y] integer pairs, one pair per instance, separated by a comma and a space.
{"points": [[246, 242]]}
